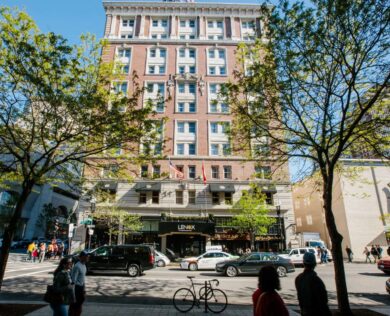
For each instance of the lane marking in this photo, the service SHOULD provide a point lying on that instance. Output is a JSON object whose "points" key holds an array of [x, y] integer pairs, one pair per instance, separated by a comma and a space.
{"points": [[25, 274], [31, 268]]}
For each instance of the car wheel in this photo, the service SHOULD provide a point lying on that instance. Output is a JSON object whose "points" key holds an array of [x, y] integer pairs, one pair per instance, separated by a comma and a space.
{"points": [[193, 267], [282, 271], [133, 270], [161, 263], [231, 271]]}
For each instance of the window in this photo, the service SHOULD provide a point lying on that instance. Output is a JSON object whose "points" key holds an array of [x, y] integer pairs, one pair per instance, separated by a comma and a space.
{"points": [[182, 23], [124, 53], [269, 198], [227, 172], [221, 53], [219, 24], [213, 88], [156, 171], [224, 108], [163, 53], [228, 198], [309, 220], [181, 88], [211, 53], [191, 172], [192, 127], [182, 53], [142, 198], [120, 87], [180, 149], [214, 149], [192, 69], [162, 70], [152, 53], [215, 198], [210, 24], [125, 69], [222, 70], [191, 107], [180, 107], [211, 70], [191, 149], [182, 37], [192, 36], [191, 197], [192, 88], [299, 222], [213, 107], [151, 69], [214, 172], [155, 23], [164, 23], [180, 127], [155, 197], [263, 172], [226, 149], [179, 197], [181, 69], [149, 87], [192, 53], [144, 171], [192, 23], [214, 128]]}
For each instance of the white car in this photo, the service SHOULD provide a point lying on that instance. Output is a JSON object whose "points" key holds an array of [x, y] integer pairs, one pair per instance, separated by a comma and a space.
{"points": [[206, 261], [160, 259], [296, 254]]}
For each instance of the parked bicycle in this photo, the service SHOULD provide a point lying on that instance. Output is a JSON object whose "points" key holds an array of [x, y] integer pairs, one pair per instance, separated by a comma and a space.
{"points": [[216, 301]]}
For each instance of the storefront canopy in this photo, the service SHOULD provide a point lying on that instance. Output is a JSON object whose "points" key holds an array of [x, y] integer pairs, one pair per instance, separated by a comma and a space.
{"points": [[147, 187], [187, 227], [222, 187]]}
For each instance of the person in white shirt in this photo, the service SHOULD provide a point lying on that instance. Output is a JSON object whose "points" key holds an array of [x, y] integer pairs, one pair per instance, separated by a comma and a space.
{"points": [[78, 278]]}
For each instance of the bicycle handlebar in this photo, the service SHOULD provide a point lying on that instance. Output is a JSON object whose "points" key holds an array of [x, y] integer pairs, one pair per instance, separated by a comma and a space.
{"points": [[213, 280]]}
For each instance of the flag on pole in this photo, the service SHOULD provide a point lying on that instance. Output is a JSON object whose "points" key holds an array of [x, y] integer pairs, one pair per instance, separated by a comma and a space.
{"points": [[204, 174], [177, 172]]}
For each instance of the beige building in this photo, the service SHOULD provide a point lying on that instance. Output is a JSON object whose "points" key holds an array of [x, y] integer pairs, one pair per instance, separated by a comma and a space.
{"points": [[361, 196], [187, 51]]}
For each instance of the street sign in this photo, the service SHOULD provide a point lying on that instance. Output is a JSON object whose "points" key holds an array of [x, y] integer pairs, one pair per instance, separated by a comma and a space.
{"points": [[70, 230], [90, 232]]}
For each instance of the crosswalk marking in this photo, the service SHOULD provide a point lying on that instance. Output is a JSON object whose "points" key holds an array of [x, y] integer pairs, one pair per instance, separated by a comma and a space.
{"points": [[25, 274]]}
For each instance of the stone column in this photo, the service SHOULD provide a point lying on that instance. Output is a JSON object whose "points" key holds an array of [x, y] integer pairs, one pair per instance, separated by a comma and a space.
{"points": [[163, 244]]}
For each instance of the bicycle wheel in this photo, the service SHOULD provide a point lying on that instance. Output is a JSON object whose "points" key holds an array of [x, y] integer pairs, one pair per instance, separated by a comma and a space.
{"points": [[217, 302], [183, 300], [202, 293]]}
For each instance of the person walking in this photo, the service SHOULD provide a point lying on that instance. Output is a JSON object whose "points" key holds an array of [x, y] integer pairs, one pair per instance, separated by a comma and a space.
{"points": [[349, 253], [312, 295], [266, 301], [49, 251], [62, 284], [374, 252], [367, 253], [79, 272], [379, 250], [42, 252], [35, 254], [30, 250]]}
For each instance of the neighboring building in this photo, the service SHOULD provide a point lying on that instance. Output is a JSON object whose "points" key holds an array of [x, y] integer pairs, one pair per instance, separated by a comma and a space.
{"points": [[361, 197], [187, 51]]}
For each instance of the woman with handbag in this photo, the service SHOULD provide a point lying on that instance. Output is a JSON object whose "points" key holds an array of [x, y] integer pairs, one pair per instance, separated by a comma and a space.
{"points": [[63, 287]]}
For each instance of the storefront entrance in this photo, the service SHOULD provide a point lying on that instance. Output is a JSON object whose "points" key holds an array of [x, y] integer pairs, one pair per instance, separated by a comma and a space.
{"points": [[187, 245]]}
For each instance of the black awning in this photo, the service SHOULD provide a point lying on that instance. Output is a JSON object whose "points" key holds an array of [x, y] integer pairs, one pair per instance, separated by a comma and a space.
{"points": [[222, 187], [147, 187]]}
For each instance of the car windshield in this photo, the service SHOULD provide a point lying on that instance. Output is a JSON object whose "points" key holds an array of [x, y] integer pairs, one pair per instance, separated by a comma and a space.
{"points": [[286, 252]]}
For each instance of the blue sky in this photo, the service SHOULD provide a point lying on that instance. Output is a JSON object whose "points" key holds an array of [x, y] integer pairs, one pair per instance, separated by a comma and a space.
{"points": [[71, 18]]}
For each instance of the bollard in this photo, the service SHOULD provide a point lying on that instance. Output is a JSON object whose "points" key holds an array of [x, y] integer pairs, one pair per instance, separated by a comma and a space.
{"points": [[205, 298]]}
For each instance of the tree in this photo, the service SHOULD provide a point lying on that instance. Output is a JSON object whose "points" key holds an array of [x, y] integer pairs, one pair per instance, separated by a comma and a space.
{"points": [[314, 89], [57, 110], [119, 222], [251, 214]]}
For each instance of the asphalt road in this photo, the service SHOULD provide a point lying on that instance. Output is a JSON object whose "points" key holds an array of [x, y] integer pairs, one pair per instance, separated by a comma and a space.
{"points": [[27, 281]]}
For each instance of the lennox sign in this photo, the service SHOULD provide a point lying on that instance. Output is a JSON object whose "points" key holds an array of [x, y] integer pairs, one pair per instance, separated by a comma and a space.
{"points": [[185, 228]]}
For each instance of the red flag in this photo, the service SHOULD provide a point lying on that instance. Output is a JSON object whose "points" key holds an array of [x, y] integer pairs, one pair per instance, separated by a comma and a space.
{"points": [[204, 174]]}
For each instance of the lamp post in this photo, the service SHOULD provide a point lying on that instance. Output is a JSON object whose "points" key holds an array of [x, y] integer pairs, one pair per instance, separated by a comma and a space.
{"points": [[90, 230], [281, 244]]}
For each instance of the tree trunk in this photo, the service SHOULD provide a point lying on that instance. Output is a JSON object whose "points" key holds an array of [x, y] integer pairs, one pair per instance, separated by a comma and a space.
{"points": [[11, 228], [337, 251]]}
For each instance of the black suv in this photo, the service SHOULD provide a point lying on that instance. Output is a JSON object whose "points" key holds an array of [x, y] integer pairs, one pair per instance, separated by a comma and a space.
{"points": [[131, 258]]}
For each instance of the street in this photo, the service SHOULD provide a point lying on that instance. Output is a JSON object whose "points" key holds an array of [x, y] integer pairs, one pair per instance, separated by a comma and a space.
{"points": [[27, 281]]}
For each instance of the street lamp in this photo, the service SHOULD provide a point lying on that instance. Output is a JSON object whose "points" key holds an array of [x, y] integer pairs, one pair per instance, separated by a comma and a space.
{"points": [[280, 226], [90, 230]]}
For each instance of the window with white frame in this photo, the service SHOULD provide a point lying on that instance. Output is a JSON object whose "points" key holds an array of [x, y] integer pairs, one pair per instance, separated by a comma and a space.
{"points": [[186, 97], [187, 28], [186, 60], [120, 87], [215, 99], [299, 222], [155, 95], [309, 220], [185, 137], [156, 61], [263, 172], [216, 62], [159, 28], [123, 60], [127, 27], [215, 29], [152, 146], [219, 138], [248, 30]]}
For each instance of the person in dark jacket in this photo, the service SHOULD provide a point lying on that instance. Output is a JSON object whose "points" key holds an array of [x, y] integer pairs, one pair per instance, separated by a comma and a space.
{"points": [[312, 295], [349, 253], [62, 283]]}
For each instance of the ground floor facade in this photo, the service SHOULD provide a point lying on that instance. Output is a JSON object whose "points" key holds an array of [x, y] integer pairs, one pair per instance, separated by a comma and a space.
{"points": [[187, 217]]}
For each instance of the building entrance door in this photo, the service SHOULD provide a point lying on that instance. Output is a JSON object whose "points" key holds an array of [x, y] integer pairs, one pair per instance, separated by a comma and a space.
{"points": [[186, 245]]}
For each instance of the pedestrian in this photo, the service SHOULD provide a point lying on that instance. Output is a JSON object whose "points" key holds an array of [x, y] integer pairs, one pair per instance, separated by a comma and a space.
{"points": [[349, 253], [30, 249], [49, 251], [374, 253], [78, 277], [319, 253], [62, 284], [35, 254], [266, 301], [42, 251], [55, 250], [312, 295], [379, 250], [367, 253], [60, 251]]}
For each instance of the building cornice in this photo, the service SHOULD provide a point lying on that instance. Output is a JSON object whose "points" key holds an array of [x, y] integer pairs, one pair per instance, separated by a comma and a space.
{"points": [[182, 8], [176, 42]]}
